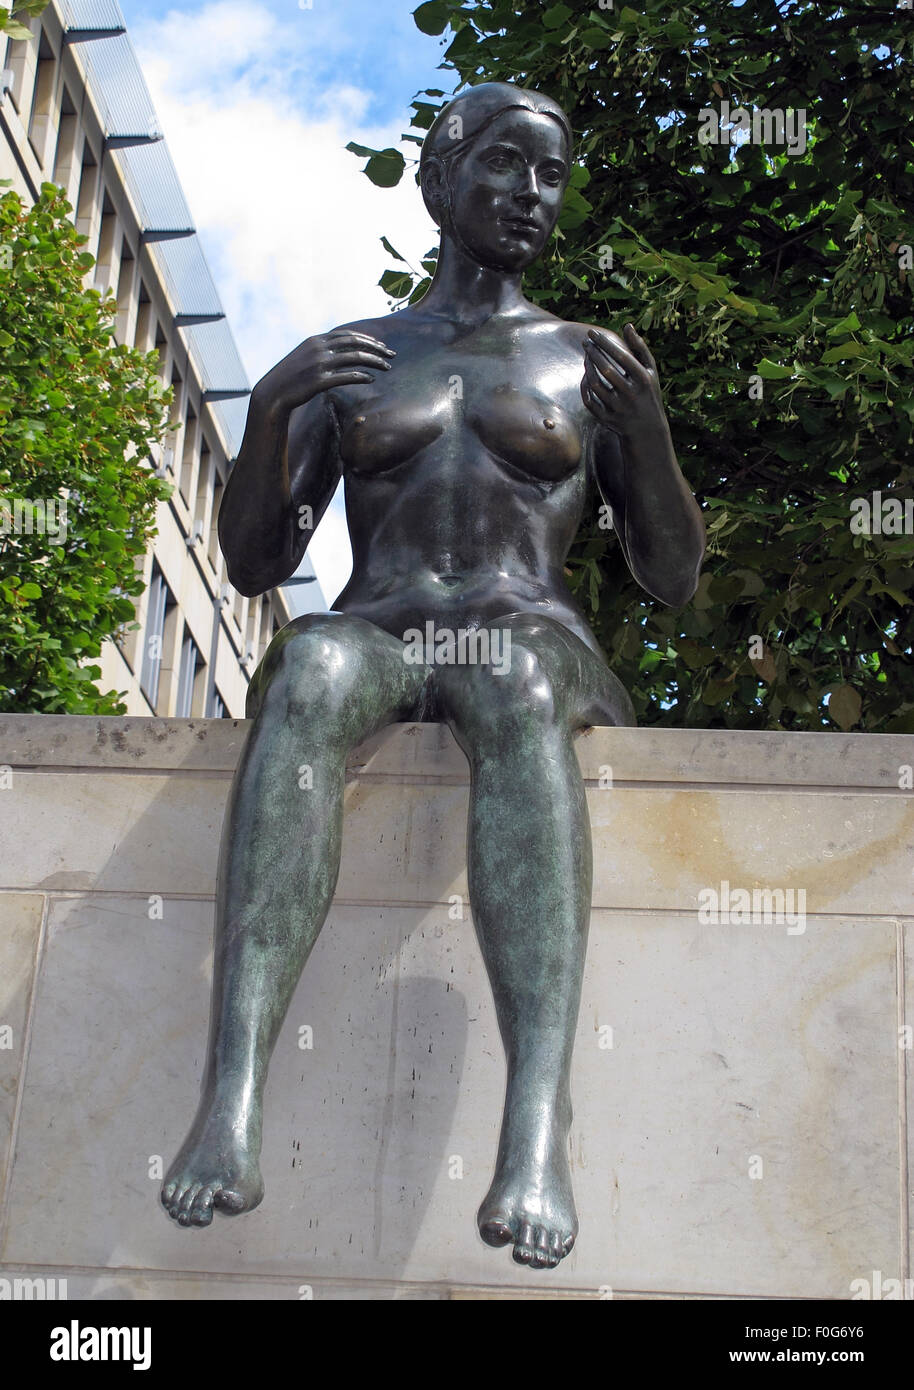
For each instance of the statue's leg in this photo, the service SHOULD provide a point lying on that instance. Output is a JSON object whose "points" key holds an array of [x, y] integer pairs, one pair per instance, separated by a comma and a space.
{"points": [[530, 872], [327, 682]]}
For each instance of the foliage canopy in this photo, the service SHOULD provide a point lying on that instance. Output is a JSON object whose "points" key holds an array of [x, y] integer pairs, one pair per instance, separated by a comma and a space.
{"points": [[11, 17], [772, 278], [78, 413]]}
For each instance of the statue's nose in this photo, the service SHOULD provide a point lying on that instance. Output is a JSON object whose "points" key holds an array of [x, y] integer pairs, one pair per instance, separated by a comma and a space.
{"points": [[529, 193]]}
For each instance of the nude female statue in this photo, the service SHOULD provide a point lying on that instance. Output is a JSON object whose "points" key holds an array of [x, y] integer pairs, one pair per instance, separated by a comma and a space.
{"points": [[462, 505]]}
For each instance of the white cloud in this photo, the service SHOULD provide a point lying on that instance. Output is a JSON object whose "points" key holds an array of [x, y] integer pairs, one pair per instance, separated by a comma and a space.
{"points": [[289, 223]]}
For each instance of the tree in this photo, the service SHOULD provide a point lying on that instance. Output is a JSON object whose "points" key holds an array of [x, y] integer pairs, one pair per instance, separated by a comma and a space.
{"points": [[11, 18], [78, 414], [743, 193]]}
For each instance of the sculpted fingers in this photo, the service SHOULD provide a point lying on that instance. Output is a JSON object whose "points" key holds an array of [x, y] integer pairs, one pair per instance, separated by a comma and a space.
{"points": [[339, 358], [342, 340], [596, 378], [593, 405], [615, 360], [344, 376], [357, 357], [639, 347], [344, 358]]}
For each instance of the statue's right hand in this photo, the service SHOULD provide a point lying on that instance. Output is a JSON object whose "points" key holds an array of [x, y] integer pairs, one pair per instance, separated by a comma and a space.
{"points": [[339, 358]]}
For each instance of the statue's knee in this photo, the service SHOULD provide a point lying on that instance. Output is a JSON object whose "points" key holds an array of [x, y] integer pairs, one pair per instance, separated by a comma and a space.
{"points": [[311, 665], [497, 702]]}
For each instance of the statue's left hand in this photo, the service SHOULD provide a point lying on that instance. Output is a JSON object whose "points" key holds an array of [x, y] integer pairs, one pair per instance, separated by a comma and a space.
{"points": [[620, 386]]}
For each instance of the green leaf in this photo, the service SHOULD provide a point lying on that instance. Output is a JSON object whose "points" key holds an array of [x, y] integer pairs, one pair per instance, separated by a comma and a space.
{"points": [[849, 324], [773, 370], [556, 16], [845, 706], [385, 169], [844, 352], [432, 18], [387, 247], [396, 283]]}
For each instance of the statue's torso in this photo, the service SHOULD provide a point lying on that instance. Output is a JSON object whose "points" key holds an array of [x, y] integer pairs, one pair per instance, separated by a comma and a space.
{"points": [[465, 472]]}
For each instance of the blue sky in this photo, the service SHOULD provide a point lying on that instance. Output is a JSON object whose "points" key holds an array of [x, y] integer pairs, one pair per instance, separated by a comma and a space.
{"points": [[257, 99], [372, 42], [375, 43]]}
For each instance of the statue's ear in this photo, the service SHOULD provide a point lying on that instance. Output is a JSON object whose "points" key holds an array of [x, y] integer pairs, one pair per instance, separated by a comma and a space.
{"points": [[435, 189]]}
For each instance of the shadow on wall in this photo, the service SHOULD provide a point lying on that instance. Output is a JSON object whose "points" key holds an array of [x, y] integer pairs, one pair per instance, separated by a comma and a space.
{"points": [[117, 1058]]}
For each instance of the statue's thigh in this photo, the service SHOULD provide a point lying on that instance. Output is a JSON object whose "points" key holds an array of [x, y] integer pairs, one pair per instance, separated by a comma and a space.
{"points": [[538, 675], [337, 666]]}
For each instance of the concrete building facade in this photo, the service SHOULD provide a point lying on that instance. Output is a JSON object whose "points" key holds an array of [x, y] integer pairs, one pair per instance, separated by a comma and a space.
{"points": [[75, 111]]}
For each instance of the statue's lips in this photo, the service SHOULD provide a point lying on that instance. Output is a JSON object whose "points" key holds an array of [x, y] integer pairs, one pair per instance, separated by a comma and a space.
{"points": [[519, 224]]}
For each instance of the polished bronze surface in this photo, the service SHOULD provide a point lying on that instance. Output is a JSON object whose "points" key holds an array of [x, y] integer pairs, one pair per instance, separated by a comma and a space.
{"points": [[468, 429]]}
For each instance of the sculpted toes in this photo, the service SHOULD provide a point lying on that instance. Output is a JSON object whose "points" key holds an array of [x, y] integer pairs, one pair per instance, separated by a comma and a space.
{"points": [[540, 1248], [186, 1203], [523, 1250], [495, 1231], [201, 1213], [228, 1201]]}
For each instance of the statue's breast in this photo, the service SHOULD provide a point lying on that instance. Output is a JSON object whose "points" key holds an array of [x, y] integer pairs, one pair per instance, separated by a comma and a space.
{"points": [[379, 437], [533, 435]]}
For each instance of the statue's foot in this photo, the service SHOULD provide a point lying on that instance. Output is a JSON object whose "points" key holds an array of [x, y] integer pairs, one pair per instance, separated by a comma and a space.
{"points": [[530, 1203], [215, 1172]]}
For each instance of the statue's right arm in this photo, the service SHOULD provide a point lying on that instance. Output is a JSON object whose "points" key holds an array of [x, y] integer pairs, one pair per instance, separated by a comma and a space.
{"points": [[289, 459]]}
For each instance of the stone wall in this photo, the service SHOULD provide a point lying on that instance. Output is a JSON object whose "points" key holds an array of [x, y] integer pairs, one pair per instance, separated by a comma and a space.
{"points": [[744, 1135]]}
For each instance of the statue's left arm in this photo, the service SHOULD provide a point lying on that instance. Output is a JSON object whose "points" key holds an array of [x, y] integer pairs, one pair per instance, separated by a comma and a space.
{"points": [[658, 521]]}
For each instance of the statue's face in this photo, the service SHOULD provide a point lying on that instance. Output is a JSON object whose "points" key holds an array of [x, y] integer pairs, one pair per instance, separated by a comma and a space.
{"points": [[507, 190]]}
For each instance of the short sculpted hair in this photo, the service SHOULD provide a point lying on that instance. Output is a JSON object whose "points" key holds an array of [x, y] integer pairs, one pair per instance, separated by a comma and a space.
{"points": [[476, 109]]}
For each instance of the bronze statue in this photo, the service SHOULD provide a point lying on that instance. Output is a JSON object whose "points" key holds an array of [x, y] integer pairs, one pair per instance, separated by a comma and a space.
{"points": [[467, 428]]}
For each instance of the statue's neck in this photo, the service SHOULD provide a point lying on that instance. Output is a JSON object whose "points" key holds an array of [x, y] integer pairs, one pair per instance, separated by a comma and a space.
{"points": [[467, 292]]}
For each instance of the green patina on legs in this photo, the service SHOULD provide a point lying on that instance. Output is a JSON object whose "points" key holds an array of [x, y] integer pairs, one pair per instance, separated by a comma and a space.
{"points": [[468, 428], [326, 684]]}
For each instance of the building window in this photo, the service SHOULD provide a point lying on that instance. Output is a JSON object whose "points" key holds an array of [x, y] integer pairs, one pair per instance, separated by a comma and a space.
{"points": [[42, 100], [125, 281], [191, 662], [251, 653], [161, 347], [213, 547], [144, 335], [189, 455], [16, 59], [87, 200], [67, 135], [216, 706], [160, 600], [265, 635]]}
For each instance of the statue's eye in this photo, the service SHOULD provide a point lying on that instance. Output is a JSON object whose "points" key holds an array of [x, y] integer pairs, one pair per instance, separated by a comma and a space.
{"points": [[499, 163]]}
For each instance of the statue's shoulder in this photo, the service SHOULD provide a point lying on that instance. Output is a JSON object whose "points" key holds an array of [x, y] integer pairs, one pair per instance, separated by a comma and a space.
{"points": [[375, 328], [577, 332]]}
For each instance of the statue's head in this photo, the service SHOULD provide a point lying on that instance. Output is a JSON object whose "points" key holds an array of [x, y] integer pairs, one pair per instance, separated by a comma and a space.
{"points": [[494, 168]]}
